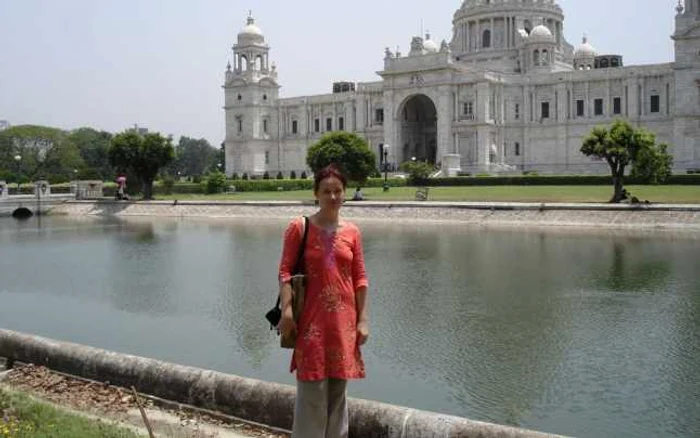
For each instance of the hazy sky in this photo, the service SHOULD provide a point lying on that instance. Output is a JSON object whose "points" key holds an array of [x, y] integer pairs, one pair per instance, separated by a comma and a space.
{"points": [[160, 63]]}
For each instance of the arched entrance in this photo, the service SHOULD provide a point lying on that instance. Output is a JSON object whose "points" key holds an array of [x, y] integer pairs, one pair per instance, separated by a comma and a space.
{"points": [[417, 124]]}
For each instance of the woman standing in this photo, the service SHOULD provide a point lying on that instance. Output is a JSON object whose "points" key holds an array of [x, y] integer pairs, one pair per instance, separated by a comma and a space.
{"points": [[334, 323]]}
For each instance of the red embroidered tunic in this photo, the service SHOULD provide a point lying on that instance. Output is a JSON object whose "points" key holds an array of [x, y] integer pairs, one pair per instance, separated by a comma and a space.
{"points": [[327, 329]]}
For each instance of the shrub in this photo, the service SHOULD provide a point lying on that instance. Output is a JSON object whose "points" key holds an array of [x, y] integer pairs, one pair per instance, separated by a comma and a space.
{"points": [[279, 175], [197, 179], [168, 182], [303, 174], [234, 176], [245, 177], [216, 182], [292, 175], [266, 175], [418, 171]]}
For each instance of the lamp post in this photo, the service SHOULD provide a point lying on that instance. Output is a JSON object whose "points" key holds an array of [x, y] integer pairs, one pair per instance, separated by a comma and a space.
{"points": [[18, 159], [386, 167]]}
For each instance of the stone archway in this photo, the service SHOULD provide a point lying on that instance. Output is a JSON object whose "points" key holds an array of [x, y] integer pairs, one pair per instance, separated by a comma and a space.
{"points": [[417, 128]]}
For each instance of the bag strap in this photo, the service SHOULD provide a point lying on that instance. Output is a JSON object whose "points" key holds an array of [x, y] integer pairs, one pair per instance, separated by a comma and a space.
{"points": [[299, 268]]}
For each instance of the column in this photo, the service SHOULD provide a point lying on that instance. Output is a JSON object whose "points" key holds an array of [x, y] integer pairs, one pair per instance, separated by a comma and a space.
{"points": [[478, 35], [608, 104], [493, 36]]}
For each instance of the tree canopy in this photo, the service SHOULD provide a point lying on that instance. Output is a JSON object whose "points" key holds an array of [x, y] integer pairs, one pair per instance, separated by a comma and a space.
{"points": [[94, 148], [45, 153], [144, 155], [194, 157], [622, 145], [347, 151]]}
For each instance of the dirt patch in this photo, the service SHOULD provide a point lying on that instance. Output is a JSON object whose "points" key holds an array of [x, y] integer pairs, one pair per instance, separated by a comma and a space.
{"points": [[103, 399]]}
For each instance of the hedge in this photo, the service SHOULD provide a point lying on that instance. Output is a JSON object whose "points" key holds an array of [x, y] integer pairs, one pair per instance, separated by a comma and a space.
{"points": [[563, 180]]}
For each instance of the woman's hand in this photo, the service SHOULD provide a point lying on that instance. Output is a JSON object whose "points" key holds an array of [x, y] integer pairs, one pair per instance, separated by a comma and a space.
{"points": [[362, 332], [287, 326]]}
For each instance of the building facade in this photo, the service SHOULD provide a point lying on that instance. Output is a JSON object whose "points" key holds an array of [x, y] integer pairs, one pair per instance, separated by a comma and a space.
{"points": [[507, 94]]}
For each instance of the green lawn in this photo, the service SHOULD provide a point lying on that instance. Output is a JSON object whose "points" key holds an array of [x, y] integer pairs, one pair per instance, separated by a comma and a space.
{"points": [[24, 417], [655, 194]]}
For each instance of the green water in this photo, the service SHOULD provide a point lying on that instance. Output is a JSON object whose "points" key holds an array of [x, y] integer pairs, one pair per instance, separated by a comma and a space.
{"points": [[566, 332]]}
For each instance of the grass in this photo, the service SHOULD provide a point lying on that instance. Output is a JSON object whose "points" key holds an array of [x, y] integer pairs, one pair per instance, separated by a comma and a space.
{"points": [[25, 417], [655, 194]]}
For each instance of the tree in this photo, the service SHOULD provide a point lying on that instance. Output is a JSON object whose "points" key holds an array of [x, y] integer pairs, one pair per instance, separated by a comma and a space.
{"points": [[45, 153], [144, 155], [194, 157], [94, 147], [347, 151], [622, 145]]}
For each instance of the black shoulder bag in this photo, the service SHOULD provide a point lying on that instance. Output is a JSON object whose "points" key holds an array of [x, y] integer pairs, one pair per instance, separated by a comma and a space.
{"points": [[275, 314]]}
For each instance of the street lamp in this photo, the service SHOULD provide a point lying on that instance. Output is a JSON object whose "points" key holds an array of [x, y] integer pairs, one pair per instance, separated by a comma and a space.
{"points": [[18, 159], [386, 167]]}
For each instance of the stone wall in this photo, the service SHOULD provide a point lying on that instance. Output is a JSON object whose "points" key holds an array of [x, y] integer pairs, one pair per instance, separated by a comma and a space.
{"points": [[247, 399], [671, 217]]}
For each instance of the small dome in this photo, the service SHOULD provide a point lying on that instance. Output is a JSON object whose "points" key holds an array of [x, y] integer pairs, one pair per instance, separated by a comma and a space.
{"points": [[585, 50], [251, 33], [429, 45], [541, 33]]}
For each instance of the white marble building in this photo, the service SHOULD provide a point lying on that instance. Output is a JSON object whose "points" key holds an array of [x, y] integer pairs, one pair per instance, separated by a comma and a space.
{"points": [[508, 93]]}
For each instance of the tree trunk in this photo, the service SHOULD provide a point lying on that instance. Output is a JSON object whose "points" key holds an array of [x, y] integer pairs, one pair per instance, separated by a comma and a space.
{"points": [[618, 194], [147, 189]]}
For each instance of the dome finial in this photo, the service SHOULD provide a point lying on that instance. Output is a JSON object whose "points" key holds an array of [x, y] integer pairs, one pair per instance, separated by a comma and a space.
{"points": [[250, 20], [584, 39], [680, 8]]}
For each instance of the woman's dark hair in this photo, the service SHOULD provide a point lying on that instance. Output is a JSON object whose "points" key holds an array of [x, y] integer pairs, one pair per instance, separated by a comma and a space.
{"points": [[330, 171]]}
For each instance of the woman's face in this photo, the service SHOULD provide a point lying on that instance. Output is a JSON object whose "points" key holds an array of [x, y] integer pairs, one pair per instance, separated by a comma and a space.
{"points": [[330, 193]]}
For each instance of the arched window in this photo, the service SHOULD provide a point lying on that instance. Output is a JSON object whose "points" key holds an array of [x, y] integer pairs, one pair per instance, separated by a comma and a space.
{"points": [[244, 63], [536, 58], [528, 26], [545, 57], [604, 63], [258, 63], [486, 40]]}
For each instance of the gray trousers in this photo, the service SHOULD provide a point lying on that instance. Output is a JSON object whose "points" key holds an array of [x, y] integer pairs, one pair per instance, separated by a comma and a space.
{"points": [[321, 409]]}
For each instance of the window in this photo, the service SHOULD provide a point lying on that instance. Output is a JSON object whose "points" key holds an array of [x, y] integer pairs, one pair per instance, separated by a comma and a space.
{"points": [[617, 105], [329, 124], [267, 157], [264, 96], [240, 97], [240, 124], [517, 149], [536, 57], [341, 124], [598, 107], [517, 111], [486, 40], [379, 115], [655, 103], [265, 126], [580, 108], [295, 126], [545, 110], [317, 125], [468, 108], [545, 58]]}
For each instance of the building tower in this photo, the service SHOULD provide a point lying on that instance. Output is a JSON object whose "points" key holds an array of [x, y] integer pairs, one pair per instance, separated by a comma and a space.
{"points": [[687, 86], [251, 93]]}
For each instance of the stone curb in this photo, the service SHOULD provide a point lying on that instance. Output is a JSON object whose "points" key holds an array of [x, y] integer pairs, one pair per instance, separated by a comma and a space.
{"points": [[261, 402], [541, 206]]}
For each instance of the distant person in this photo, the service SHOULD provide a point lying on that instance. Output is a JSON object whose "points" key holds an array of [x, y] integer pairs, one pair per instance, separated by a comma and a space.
{"points": [[358, 196], [333, 323], [121, 188]]}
